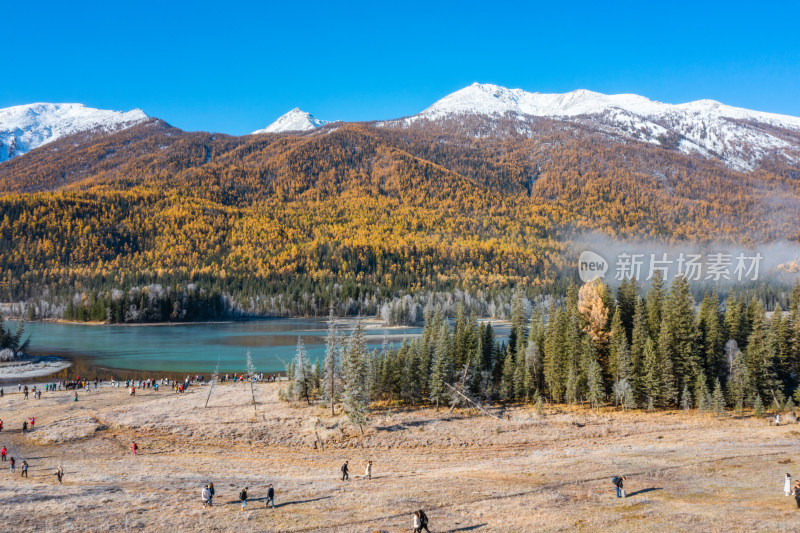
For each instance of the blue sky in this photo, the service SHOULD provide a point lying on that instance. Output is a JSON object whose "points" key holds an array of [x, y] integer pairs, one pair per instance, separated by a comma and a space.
{"points": [[234, 67]]}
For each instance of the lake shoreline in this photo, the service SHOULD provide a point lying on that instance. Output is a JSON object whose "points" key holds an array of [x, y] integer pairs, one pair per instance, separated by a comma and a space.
{"points": [[141, 352], [368, 322]]}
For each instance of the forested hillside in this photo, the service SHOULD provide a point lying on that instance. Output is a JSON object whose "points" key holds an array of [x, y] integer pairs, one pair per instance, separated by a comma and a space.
{"points": [[351, 214]]}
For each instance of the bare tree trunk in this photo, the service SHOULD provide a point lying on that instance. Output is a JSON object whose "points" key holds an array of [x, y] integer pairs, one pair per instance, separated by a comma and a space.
{"points": [[209, 393], [463, 384], [473, 402], [253, 393], [333, 410]]}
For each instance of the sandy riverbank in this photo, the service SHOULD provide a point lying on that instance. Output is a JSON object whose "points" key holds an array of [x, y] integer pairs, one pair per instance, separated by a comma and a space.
{"points": [[686, 472]]}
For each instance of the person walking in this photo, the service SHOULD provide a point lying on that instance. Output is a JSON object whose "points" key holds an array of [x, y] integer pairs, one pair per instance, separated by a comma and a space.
{"points": [[777, 420], [134, 448], [3, 454], [787, 484], [25, 469], [211, 494], [345, 472], [243, 498], [368, 471], [60, 474], [1, 424], [11, 464], [797, 493], [618, 482], [417, 523], [270, 497], [24, 426], [423, 521], [205, 495]]}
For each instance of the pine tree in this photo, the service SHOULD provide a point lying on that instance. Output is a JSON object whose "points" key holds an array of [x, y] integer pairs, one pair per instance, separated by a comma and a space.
{"points": [[793, 334], [641, 332], [331, 366], [356, 399], [507, 382], [654, 302], [618, 354], [594, 383], [534, 351], [740, 384], [760, 356], [779, 339], [678, 336], [651, 384], [718, 399], [516, 336], [701, 395], [736, 321], [758, 406], [789, 405], [531, 368], [519, 375], [440, 370], [303, 374], [318, 374], [555, 369], [669, 384], [711, 338], [627, 300], [686, 398]]}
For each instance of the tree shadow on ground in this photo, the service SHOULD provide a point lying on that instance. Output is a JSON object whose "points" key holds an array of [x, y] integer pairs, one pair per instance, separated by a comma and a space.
{"points": [[643, 491]]}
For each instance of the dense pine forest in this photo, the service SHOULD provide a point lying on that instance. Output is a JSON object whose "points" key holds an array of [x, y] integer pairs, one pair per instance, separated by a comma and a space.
{"points": [[594, 347]]}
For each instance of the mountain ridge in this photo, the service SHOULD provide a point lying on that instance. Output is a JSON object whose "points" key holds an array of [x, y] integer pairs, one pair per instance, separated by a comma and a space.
{"points": [[26, 127], [740, 138]]}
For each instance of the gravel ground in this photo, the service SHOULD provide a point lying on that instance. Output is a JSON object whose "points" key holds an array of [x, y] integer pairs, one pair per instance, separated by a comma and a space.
{"points": [[686, 472]]}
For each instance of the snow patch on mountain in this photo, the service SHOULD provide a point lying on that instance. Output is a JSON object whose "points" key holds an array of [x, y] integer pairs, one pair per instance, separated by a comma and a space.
{"points": [[294, 120], [740, 137], [25, 127]]}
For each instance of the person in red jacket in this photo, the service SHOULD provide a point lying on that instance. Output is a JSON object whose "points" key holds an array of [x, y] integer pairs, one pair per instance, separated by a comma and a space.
{"points": [[3, 453], [135, 448]]}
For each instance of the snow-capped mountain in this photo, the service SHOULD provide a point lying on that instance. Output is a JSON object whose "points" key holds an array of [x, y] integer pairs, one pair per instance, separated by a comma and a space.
{"points": [[294, 120], [739, 137], [25, 127]]}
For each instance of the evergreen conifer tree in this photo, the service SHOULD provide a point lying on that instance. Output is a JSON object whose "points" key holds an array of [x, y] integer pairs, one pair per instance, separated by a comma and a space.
{"points": [[356, 398]]}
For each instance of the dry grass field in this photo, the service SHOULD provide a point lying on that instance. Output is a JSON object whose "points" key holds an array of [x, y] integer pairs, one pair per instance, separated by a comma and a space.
{"points": [[686, 472]]}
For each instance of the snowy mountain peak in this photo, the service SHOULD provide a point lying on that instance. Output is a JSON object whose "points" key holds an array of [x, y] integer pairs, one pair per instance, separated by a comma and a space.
{"points": [[25, 127], [294, 120], [739, 137]]}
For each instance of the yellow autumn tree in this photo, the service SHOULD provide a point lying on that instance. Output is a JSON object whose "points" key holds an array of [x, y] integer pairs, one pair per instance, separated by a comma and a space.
{"points": [[594, 310]]}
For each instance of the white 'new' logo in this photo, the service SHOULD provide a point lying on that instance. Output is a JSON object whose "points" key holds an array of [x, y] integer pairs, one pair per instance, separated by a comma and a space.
{"points": [[591, 266]]}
